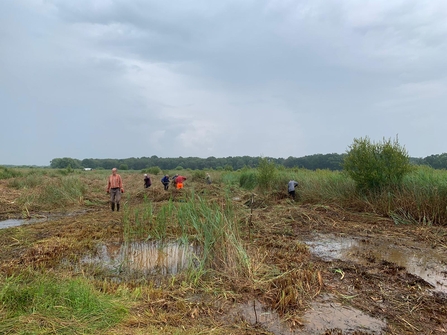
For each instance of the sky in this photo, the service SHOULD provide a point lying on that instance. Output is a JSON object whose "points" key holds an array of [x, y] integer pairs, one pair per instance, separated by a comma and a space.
{"points": [[201, 78]]}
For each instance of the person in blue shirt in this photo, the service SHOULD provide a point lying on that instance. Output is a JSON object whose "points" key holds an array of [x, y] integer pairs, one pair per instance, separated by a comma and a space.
{"points": [[165, 182]]}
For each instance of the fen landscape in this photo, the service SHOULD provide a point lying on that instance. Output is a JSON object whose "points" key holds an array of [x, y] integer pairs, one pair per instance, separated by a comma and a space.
{"points": [[236, 256]]}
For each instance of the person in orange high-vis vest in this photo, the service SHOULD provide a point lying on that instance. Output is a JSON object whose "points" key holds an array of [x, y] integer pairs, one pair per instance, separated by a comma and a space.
{"points": [[115, 188], [179, 182]]}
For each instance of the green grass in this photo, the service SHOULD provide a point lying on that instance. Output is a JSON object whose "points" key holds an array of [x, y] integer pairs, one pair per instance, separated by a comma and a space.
{"points": [[6, 173], [212, 226], [40, 304]]}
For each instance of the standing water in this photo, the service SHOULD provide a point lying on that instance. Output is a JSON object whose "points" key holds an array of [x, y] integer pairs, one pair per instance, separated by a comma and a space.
{"points": [[153, 257], [428, 264]]}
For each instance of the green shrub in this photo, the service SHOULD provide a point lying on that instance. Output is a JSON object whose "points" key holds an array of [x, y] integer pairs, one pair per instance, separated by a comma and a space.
{"points": [[266, 174], [376, 166], [155, 170]]}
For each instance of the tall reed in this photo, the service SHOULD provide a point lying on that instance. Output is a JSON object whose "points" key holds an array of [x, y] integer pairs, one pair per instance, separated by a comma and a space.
{"points": [[215, 228]]}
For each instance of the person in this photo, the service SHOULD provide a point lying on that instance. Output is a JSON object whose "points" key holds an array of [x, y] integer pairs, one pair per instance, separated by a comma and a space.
{"points": [[165, 182], [115, 188], [147, 181], [174, 180], [291, 188], [179, 182], [208, 178]]}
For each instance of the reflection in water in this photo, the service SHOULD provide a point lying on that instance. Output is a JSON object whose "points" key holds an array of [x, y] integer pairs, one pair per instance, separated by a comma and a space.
{"points": [[320, 317], [427, 264], [147, 257]]}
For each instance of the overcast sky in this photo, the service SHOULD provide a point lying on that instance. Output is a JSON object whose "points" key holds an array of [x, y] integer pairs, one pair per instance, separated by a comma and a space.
{"points": [[279, 78]]}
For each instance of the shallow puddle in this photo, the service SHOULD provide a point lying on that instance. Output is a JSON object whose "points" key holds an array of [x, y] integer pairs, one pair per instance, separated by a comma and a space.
{"points": [[41, 218], [320, 317], [428, 264], [331, 315], [151, 257], [17, 222]]}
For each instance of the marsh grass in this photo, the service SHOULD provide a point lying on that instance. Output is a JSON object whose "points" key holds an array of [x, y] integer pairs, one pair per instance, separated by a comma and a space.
{"points": [[210, 225], [138, 221], [214, 226], [6, 173], [421, 197], [34, 303], [46, 192]]}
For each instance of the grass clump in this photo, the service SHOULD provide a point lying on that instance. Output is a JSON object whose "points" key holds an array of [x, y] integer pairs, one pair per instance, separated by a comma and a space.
{"points": [[39, 304], [6, 173], [248, 179], [215, 228]]}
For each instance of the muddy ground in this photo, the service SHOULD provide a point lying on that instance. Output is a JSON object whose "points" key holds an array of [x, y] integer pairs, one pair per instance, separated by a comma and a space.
{"points": [[375, 277]]}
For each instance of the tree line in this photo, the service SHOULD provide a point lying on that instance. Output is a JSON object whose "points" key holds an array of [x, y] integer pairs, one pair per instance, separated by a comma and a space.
{"points": [[313, 162], [331, 161]]}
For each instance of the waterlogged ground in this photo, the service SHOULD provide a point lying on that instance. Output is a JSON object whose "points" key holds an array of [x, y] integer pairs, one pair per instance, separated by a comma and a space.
{"points": [[375, 277]]}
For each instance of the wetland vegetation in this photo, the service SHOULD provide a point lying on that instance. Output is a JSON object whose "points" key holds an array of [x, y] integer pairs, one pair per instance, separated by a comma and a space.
{"points": [[237, 256]]}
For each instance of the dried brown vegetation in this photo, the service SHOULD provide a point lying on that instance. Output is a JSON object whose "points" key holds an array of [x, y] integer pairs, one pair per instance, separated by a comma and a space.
{"points": [[282, 273]]}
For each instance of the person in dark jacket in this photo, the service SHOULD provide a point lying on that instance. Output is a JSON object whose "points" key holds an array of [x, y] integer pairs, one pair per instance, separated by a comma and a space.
{"points": [[147, 181], [165, 182]]}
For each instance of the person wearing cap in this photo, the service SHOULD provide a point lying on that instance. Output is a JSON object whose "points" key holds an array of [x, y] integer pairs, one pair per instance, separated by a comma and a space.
{"points": [[115, 188], [147, 181], [165, 182]]}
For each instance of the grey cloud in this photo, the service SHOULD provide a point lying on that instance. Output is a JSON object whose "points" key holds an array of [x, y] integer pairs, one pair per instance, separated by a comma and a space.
{"points": [[277, 77]]}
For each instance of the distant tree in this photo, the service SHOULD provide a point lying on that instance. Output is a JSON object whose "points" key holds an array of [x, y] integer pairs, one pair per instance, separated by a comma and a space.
{"points": [[63, 163], [437, 161], [123, 167], [89, 163]]}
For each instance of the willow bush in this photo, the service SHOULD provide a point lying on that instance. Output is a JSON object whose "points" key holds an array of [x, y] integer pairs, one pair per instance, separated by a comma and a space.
{"points": [[376, 166]]}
